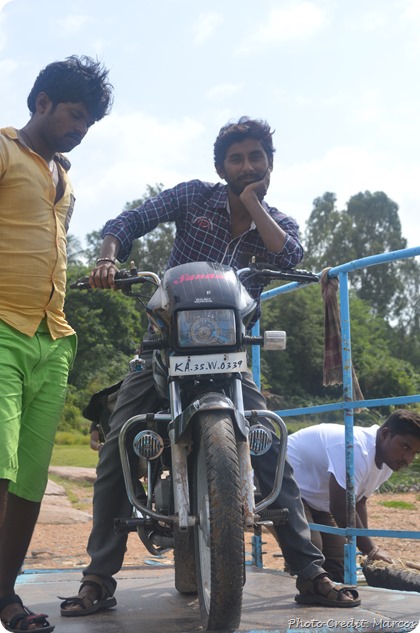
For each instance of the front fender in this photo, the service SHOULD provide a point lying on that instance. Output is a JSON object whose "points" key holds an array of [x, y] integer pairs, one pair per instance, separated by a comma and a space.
{"points": [[207, 402]]}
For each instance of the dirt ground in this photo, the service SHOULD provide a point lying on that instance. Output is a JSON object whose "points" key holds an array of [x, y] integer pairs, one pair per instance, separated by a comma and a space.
{"points": [[63, 546]]}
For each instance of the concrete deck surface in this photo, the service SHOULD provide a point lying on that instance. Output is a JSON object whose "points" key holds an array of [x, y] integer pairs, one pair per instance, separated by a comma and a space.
{"points": [[148, 603]]}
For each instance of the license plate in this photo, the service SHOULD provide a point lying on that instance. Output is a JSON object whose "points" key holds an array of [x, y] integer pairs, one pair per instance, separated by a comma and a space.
{"points": [[207, 364]]}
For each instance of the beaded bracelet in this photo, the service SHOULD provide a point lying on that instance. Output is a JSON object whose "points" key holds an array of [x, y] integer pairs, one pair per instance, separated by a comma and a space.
{"points": [[105, 259]]}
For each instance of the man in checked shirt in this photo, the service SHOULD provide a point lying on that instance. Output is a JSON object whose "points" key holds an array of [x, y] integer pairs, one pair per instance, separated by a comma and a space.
{"points": [[224, 223]]}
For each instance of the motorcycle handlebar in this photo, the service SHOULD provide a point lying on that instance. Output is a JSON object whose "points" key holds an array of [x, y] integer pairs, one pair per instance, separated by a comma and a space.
{"points": [[266, 272], [126, 278], [123, 279]]}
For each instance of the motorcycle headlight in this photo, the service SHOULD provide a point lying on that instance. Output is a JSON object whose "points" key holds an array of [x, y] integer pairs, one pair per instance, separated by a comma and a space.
{"points": [[202, 328]]}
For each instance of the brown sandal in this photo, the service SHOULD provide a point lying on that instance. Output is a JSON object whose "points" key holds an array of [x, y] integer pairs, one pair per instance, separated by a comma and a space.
{"points": [[22, 620], [309, 594], [86, 606]]}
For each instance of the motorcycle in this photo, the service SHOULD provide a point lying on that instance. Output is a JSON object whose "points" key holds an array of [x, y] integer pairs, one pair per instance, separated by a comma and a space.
{"points": [[196, 453]]}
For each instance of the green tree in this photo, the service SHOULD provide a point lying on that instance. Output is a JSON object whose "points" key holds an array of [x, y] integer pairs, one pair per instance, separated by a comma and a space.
{"points": [[296, 371], [376, 228], [326, 235], [296, 374], [381, 372], [150, 252], [151, 192], [93, 240], [109, 329], [369, 225], [75, 253]]}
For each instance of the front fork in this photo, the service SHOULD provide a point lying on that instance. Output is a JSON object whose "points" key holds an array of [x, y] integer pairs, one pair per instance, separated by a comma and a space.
{"points": [[179, 454], [178, 422]]}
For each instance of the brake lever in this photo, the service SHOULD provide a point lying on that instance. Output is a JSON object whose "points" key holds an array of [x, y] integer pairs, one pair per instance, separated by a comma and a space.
{"points": [[80, 284]]}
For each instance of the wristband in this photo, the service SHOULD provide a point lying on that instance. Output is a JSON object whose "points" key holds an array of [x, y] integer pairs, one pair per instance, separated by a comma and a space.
{"points": [[105, 259]]}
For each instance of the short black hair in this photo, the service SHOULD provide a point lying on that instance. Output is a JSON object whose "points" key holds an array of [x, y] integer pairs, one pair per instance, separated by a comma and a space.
{"points": [[403, 422], [76, 79], [243, 129]]}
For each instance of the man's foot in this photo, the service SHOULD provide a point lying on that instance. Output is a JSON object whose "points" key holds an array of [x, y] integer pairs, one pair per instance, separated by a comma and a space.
{"points": [[92, 597], [322, 591], [15, 617], [323, 585]]}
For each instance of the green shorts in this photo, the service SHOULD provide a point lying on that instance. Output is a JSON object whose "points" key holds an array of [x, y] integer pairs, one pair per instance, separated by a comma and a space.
{"points": [[33, 383]]}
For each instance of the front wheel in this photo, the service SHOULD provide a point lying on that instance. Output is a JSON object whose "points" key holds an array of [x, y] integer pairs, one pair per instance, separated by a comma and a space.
{"points": [[219, 535]]}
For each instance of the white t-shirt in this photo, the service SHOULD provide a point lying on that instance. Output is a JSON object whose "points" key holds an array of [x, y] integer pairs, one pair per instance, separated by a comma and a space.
{"points": [[317, 451]]}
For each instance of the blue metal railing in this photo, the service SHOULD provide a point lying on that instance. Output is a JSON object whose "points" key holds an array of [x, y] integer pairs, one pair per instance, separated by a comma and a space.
{"points": [[347, 405]]}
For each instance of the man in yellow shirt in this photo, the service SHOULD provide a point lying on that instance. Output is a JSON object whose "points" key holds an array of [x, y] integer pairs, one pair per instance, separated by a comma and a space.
{"points": [[37, 345]]}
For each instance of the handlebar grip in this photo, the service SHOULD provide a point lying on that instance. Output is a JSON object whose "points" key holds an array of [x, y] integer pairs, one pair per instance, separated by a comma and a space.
{"points": [[83, 282], [296, 275], [80, 284], [123, 279]]}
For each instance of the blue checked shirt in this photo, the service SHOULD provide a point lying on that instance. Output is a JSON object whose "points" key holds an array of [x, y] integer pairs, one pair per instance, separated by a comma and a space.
{"points": [[203, 229]]}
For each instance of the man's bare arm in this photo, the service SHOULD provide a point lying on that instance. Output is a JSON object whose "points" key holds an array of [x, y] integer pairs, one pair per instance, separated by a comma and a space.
{"points": [[271, 233], [102, 276], [338, 510]]}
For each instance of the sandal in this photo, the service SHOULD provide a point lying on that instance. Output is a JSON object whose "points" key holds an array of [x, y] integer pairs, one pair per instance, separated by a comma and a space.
{"points": [[22, 621], [309, 593], [86, 606]]}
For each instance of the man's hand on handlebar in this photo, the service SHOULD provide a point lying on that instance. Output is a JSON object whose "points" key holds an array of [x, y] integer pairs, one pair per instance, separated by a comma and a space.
{"points": [[103, 275]]}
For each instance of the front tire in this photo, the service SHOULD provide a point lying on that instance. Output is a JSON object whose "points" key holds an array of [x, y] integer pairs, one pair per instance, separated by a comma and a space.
{"points": [[219, 535]]}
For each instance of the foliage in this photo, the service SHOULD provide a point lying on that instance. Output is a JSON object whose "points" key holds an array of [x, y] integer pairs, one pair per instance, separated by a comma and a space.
{"points": [[72, 419], [369, 225], [380, 373], [74, 438], [151, 192], [294, 377], [401, 505], [326, 237], [405, 479], [75, 253], [150, 252], [81, 456], [109, 330], [94, 241], [298, 369]]}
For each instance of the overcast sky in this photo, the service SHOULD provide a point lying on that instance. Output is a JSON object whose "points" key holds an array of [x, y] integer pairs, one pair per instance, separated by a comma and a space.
{"points": [[338, 80]]}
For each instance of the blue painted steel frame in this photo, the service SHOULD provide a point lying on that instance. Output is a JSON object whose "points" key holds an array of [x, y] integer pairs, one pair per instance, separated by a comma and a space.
{"points": [[348, 404]]}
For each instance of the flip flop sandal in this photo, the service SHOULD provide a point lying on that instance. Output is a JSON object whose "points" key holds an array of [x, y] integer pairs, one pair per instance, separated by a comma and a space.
{"points": [[21, 621], [309, 595], [87, 606]]}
